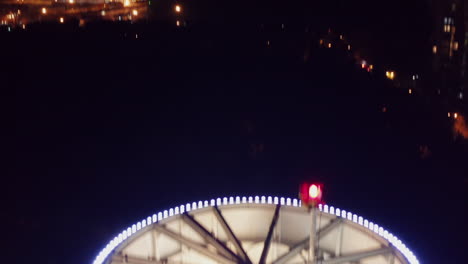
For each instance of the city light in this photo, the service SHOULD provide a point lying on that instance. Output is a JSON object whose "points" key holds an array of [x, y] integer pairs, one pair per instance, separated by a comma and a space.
{"points": [[349, 47], [71, 1], [126, 2], [61, 20], [44, 11], [390, 75], [434, 49], [410, 91], [177, 8], [178, 23], [329, 45], [135, 12], [455, 115]]}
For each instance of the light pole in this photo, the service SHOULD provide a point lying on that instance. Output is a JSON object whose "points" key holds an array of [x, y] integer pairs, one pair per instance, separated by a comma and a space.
{"points": [[311, 196]]}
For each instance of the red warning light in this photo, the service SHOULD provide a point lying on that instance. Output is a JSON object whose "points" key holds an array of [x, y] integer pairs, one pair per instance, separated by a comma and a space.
{"points": [[310, 194], [313, 191]]}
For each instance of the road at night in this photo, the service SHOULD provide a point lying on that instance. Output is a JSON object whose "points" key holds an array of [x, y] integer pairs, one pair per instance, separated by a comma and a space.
{"points": [[117, 120]]}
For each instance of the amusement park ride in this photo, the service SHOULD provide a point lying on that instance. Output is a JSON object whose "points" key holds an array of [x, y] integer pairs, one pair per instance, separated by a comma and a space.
{"points": [[258, 229]]}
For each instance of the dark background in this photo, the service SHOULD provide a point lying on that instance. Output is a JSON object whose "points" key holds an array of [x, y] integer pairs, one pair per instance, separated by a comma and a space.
{"points": [[109, 129]]}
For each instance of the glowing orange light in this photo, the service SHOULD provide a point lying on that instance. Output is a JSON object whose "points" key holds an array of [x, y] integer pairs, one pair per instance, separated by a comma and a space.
{"points": [[61, 20], [178, 9], [44, 11], [178, 23], [410, 91], [329, 45], [455, 115], [390, 74], [71, 1], [135, 12]]}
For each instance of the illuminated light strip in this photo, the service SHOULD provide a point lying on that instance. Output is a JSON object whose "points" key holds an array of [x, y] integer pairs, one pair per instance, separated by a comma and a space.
{"points": [[125, 234]]}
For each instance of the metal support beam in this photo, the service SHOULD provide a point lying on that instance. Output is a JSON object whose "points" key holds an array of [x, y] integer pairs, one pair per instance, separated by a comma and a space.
{"points": [[119, 259], [312, 259], [266, 245], [305, 243], [209, 238], [339, 241], [358, 256], [230, 234], [193, 245]]}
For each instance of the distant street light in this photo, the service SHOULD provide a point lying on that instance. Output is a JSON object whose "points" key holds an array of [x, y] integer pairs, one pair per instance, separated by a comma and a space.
{"points": [[390, 75], [44, 11], [178, 9]]}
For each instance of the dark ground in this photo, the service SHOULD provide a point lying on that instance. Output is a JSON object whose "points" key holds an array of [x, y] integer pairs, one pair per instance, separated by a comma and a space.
{"points": [[110, 129]]}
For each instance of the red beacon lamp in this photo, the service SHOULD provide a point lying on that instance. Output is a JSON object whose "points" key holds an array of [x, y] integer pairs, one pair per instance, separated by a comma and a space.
{"points": [[310, 194]]}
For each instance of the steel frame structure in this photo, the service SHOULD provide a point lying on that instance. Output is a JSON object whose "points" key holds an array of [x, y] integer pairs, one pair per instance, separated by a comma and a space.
{"points": [[251, 230]]}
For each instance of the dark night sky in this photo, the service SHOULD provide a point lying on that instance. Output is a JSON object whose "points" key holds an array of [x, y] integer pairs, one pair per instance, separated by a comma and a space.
{"points": [[108, 129]]}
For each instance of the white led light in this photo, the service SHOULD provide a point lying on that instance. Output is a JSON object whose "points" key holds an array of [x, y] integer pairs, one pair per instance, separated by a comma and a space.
{"points": [[171, 212], [225, 200], [149, 220], [165, 214], [288, 201], [282, 200], [176, 211], [263, 199], [350, 216], [143, 223], [244, 199], [231, 200], [238, 200], [160, 216], [338, 212], [250, 199], [212, 202], [188, 207], [343, 213], [134, 229], [200, 204], [275, 200], [138, 225], [257, 199], [182, 209], [218, 201], [294, 202], [269, 200], [332, 210], [194, 206], [320, 206]]}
